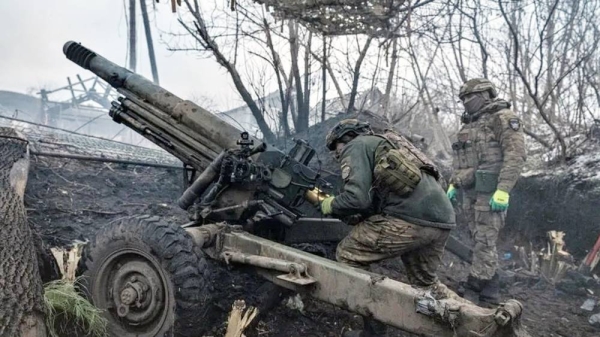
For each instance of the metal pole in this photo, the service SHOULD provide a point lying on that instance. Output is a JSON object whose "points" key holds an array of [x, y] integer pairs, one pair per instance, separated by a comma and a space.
{"points": [[148, 32], [324, 75], [132, 36]]}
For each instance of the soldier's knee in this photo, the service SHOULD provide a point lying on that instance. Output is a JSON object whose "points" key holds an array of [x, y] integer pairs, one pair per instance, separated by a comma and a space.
{"points": [[343, 255]]}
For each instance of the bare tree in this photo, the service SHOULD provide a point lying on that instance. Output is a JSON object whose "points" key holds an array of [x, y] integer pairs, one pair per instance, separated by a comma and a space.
{"points": [[391, 77], [541, 55], [474, 14], [324, 81], [302, 95], [356, 74], [533, 81], [201, 34], [324, 60]]}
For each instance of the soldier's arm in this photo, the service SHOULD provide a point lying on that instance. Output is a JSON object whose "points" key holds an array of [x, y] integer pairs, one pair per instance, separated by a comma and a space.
{"points": [[357, 172], [509, 131], [454, 178]]}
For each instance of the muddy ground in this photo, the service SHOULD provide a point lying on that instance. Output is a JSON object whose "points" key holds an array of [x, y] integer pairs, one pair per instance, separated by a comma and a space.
{"points": [[68, 200]]}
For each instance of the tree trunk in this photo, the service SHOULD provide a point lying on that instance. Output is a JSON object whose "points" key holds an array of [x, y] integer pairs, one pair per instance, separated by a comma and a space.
{"points": [[132, 36], [324, 78], [356, 75], [305, 115], [284, 96], [148, 31], [299, 123], [563, 59], [332, 77], [21, 294], [390, 80], [457, 52], [550, 50], [482, 49]]}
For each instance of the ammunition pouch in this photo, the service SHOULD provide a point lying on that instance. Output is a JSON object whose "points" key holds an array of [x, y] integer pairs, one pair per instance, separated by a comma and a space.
{"points": [[465, 153], [395, 172], [464, 178], [486, 181]]}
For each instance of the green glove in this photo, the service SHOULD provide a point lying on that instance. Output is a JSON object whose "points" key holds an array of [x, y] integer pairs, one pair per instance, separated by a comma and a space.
{"points": [[451, 193], [326, 205], [499, 201]]}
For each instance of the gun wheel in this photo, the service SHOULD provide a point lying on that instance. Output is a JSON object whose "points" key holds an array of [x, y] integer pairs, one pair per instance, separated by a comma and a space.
{"points": [[148, 276]]}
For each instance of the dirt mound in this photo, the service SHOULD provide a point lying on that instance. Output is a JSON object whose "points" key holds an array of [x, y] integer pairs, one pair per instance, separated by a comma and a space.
{"points": [[565, 198]]}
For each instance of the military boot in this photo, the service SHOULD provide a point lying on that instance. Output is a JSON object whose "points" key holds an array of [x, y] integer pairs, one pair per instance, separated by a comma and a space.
{"points": [[490, 293], [470, 289], [372, 328]]}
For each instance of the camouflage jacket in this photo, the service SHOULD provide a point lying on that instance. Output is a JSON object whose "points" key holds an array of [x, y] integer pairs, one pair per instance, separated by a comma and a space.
{"points": [[492, 142], [427, 205]]}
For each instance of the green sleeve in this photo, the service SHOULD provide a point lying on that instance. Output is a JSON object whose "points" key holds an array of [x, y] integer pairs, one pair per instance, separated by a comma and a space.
{"points": [[357, 172]]}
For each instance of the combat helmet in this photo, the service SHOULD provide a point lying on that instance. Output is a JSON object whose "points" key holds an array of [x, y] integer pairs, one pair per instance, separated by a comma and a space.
{"points": [[343, 127], [477, 85]]}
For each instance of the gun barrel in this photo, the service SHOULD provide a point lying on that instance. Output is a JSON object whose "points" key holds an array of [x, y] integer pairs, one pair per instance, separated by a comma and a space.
{"points": [[179, 126]]}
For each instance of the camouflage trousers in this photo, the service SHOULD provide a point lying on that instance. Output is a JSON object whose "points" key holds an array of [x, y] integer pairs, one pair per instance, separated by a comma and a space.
{"points": [[484, 226], [381, 237]]}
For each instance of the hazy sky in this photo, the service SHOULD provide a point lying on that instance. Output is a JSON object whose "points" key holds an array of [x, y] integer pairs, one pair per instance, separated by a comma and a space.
{"points": [[32, 34]]}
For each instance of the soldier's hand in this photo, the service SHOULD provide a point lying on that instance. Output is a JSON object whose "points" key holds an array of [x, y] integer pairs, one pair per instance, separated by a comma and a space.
{"points": [[499, 201], [326, 205], [451, 193]]}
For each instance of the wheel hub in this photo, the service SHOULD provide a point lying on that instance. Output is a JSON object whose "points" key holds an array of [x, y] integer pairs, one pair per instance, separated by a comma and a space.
{"points": [[133, 290], [136, 305], [133, 295], [129, 295]]}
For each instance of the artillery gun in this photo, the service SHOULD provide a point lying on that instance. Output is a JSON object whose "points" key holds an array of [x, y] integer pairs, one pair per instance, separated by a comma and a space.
{"points": [[248, 202]]}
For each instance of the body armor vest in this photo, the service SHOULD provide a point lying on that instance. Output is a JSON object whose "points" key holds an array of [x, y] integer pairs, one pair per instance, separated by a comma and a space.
{"points": [[399, 164]]}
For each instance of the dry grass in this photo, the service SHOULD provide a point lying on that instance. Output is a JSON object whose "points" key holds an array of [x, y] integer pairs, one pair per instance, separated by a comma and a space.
{"points": [[65, 304]]}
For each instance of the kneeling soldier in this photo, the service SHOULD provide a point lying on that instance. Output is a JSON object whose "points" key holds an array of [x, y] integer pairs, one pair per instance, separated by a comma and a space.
{"points": [[404, 211]]}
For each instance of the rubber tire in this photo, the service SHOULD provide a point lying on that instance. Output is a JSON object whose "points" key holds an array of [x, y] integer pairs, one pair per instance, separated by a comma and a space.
{"points": [[181, 261]]}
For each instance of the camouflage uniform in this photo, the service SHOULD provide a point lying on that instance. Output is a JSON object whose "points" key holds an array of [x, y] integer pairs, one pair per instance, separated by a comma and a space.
{"points": [[380, 237], [414, 225], [488, 156], [406, 215], [412, 221]]}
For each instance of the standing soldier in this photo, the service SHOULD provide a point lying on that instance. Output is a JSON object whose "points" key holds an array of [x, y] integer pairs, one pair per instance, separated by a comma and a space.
{"points": [[404, 211], [487, 158]]}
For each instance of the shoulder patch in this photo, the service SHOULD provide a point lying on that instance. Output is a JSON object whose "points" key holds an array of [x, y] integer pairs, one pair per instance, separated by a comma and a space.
{"points": [[514, 123], [345, 172]]}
